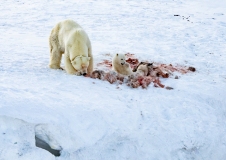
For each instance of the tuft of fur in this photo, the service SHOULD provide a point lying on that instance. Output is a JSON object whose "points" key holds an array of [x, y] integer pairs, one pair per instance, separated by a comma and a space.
{"points": [[145, 66], [111, 77], [144, 69], [97, 74], [137, 81]]}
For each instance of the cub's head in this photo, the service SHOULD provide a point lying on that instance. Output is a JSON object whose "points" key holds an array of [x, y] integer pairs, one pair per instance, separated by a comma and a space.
{"points": [[81, 63], [120, 58]]}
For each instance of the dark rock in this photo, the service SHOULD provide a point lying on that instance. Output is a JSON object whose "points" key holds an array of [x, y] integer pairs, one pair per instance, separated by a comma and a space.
{"points": [[41, 144]]}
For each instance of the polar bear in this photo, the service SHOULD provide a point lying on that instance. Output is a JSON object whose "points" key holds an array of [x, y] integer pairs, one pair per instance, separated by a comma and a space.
{"points": [[120, 65], [68, 38]]}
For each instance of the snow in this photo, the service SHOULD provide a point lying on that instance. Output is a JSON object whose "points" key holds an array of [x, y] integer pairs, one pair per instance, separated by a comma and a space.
{"points": [[93, 119]]}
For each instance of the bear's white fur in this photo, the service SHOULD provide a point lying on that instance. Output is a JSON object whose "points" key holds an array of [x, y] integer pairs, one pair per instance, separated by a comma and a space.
{"points": [[120, 65], [68, 38]]}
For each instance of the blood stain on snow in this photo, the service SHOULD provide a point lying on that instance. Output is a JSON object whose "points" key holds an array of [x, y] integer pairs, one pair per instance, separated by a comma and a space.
{"points": [[155, 72]]}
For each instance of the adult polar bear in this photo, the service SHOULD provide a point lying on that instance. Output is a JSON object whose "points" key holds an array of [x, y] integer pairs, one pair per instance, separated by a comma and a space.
{"points": [[68, 38]]}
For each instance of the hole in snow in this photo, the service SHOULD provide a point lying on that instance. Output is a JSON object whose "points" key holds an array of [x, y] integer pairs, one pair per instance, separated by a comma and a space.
{"points": [[42, 144]]}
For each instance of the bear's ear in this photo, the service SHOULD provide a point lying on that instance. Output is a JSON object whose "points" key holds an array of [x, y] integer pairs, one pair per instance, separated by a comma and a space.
{"points": [[150, 64]]}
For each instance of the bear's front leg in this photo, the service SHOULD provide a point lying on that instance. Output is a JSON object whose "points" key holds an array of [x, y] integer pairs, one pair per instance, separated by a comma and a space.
{"points": [[55, 58], [68, 66], [90, 67]]}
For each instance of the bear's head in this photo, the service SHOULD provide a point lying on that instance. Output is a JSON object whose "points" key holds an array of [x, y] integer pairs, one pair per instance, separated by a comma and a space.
{"points": [[121, 58], [81, 63]]}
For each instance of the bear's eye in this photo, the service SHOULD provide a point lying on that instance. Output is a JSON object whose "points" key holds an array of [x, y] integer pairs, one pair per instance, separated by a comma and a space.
{"points": [[122, 59]]}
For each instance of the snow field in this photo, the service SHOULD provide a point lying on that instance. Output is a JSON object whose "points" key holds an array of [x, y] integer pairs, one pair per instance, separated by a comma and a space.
{"points": [[92, 119]]}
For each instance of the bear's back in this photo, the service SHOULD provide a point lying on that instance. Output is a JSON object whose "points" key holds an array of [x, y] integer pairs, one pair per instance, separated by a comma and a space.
{"points": [[71, 31], [69, 25]]}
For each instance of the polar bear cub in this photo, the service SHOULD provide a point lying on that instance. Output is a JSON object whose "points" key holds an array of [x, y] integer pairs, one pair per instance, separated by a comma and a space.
{"points": [[68, 38], [120, 65]]}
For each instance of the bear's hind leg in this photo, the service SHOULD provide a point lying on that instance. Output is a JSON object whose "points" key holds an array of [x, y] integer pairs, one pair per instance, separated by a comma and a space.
{"points": [[55, 59], [55, 53]]}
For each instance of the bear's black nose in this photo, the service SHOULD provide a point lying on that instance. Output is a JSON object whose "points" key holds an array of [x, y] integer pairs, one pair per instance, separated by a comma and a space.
{"points": [[84, 74]]}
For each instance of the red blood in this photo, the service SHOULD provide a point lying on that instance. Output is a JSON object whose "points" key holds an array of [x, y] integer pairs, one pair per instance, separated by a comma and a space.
{"points": [[157, 72]]}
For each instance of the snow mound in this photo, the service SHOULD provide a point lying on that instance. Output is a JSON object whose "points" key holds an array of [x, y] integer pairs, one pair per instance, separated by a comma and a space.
{"points": [[18, 141]]}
